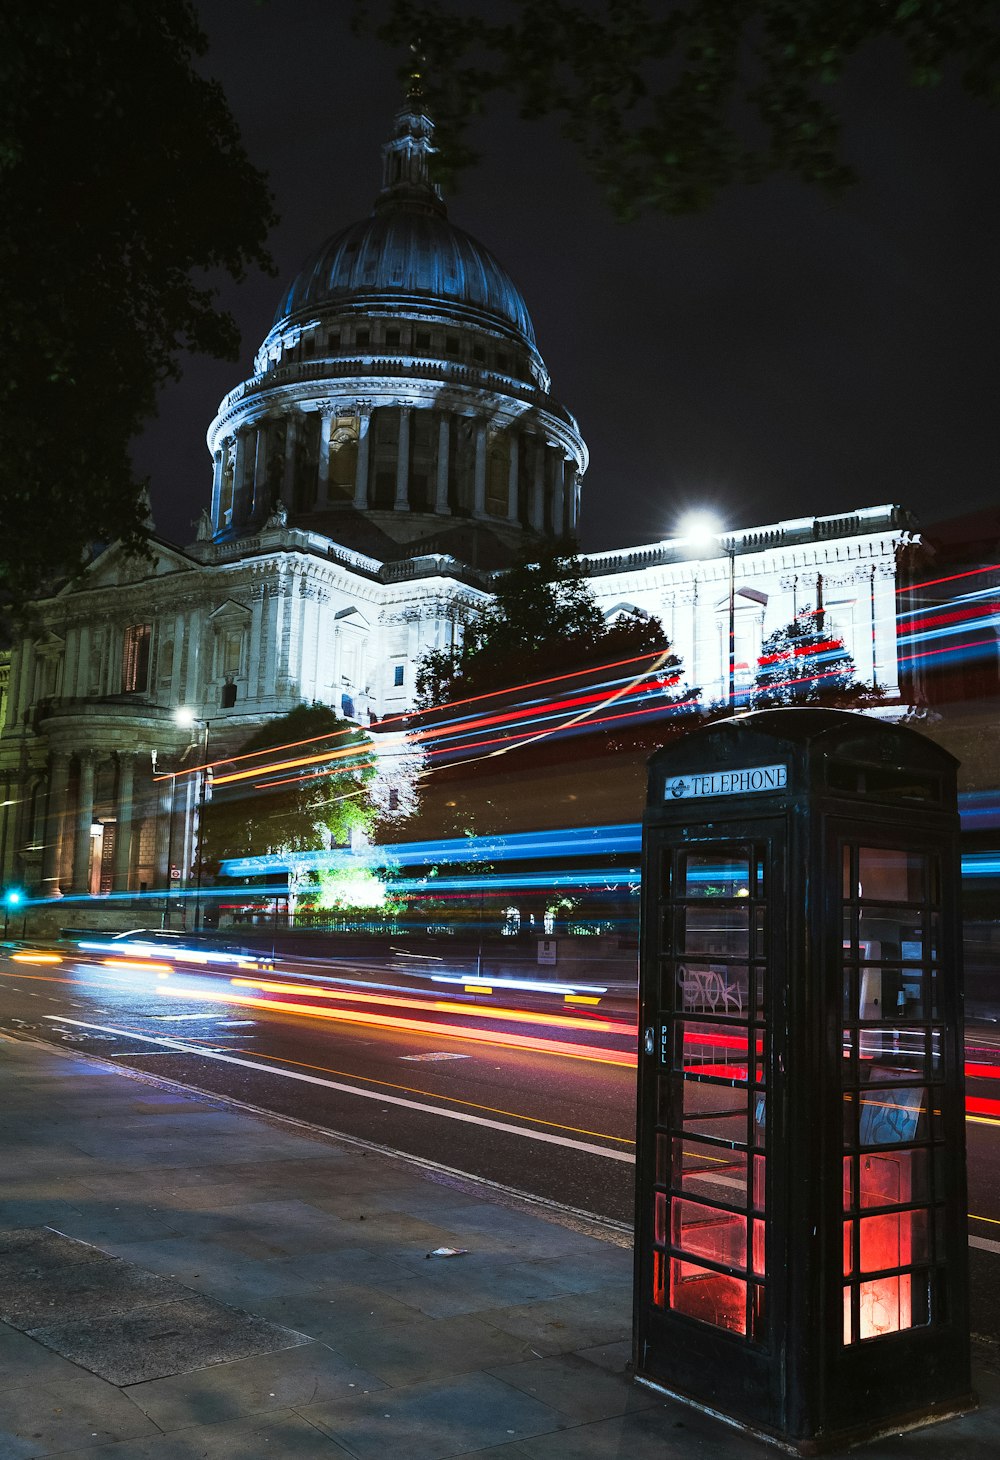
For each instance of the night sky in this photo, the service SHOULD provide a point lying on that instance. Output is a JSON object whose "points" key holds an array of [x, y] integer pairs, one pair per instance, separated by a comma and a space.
{"points": [[780, 356]]}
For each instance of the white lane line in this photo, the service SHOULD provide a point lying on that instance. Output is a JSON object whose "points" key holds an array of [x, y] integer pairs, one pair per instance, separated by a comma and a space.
{"points": [[460, 1115], [985, 1243]]}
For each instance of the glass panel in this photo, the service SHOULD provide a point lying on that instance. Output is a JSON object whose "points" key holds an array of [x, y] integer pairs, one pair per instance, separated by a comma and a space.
{"points": [[849, 918], [758, 937], [759, 1119], [846, 884], [710, 1049], [890, 993], [898, 1053], [710, 1296], [848, 1327], [890, 936], [893, 1240], [888, 875], [706, 1231], [716, 1110], [758, 1310], [758, 1248], [710, 1171], [759, 1173], [885, 1306], [893, 1115], [660, 1219], [848, 1183], [716, 988], [848, 1248], [717, 929], [659, 1283], [716, 875], [893, 1179]]}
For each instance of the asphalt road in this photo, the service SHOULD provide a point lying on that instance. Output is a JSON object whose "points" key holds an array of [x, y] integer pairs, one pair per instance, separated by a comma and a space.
{"points": [[539, 1098]]}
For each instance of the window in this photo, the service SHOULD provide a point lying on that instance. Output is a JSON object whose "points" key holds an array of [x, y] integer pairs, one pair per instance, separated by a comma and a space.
{"points": [[333, 340], [135, 659], [228, 697], [894, 1257], [451, 345], [398, 674], [392, 337], [709, 1203], [362, 337], [308, 347], [423, 339]]}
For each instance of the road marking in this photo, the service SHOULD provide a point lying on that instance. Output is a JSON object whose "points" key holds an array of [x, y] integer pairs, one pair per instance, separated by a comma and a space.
{"points": [[985, 1244], [440, 1054], [460, 1115]]}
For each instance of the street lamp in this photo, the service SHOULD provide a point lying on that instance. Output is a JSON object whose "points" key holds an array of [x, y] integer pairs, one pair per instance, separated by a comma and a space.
{"points": [[186, 717], [13, 897], [703, 529]]}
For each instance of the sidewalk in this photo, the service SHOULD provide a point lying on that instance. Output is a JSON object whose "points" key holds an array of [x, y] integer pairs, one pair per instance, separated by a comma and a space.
{"points": [[182, 1280]]}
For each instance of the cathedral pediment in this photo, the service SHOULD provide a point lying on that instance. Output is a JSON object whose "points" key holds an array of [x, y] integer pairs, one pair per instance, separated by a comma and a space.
{"points": [[115, 567]]}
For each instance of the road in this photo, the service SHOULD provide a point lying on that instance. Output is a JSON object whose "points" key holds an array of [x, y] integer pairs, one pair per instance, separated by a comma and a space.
{"points": [[539, 1098]]}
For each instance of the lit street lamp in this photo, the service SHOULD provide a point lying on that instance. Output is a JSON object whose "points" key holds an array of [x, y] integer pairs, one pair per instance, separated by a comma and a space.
{"points": [[13, 897], [702, 529]]}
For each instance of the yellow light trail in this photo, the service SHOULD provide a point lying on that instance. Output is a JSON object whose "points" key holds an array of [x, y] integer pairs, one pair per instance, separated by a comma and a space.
{"points": [[414, 1026], [29, 957], [441, 1006]]}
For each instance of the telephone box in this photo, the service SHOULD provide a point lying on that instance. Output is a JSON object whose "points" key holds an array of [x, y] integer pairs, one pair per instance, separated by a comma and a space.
{"points": [[801, 1239]]}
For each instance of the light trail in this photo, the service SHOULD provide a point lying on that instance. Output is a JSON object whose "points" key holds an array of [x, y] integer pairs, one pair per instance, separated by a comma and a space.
{"points": [[548, 1137], [593, 1053]]}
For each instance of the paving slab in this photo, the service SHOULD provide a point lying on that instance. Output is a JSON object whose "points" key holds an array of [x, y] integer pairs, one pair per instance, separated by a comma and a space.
{"points": [[168, 1338], [311, 1374], [47, 1415], [283, 1435], [433, 1421]]}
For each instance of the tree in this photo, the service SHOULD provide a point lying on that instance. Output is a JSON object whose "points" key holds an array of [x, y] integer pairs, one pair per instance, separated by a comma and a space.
{"points": [[670, 103], [288, 807], [123, 181], [542, 621], [804, 664]]}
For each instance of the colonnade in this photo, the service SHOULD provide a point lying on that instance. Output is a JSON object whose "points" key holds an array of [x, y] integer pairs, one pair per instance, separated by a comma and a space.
{"points": [[71, 808], [540, 491]]}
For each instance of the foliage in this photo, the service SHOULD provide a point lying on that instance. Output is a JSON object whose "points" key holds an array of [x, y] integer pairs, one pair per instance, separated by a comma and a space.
{"points": [[308, 807], [542, 621], [671, 101], [123, 180], [352, 890], [803, 663]]}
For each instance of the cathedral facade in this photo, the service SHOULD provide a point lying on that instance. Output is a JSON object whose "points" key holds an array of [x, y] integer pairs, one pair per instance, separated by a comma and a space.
{"points": [[396, 446]]}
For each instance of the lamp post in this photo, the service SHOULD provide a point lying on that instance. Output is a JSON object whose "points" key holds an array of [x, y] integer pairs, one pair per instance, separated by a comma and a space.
{"points": [[702, 529], [186, 717], [11, 898]]}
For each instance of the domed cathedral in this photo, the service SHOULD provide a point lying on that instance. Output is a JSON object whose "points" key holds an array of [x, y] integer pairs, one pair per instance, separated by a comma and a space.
{"points": [[399, 403]]}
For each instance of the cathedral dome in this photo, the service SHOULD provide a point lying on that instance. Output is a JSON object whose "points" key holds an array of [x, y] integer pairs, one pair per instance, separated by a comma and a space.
{"points": [[406, 256]]}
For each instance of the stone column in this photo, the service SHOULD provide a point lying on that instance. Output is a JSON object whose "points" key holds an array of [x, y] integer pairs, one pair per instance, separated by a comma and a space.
{"points": [[538, 487], [164, 817], [123, 816], [512, 476], [83, 663], [54, 822], [323, 474], [444, 452], [361, 470], [558, 508], [479, 480], [402, 502], [288, 475], [219, 462], [238, 472], [84, 820]]}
